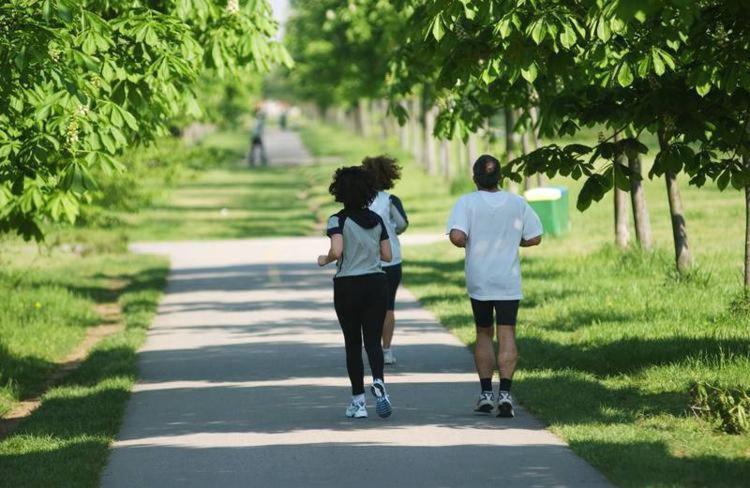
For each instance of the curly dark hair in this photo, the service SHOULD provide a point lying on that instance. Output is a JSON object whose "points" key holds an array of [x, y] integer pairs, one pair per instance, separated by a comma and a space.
{"points": [[384, 169], [354, 187]]}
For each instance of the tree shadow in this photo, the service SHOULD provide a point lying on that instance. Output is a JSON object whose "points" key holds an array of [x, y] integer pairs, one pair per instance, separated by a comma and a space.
{"points": [[644, 463], [625, 356]]}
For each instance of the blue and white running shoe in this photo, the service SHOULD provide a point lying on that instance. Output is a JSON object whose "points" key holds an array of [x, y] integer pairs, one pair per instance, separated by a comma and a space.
{"points": [[382, 402], [356, 410]]}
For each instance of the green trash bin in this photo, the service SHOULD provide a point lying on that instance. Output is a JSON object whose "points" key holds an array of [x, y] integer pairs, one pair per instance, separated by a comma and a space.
{"points": [[551, 205]]}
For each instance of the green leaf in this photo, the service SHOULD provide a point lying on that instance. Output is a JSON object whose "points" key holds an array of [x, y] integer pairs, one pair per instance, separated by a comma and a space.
{"points": [[116, 118], [568, 37], [644, 66], [530, 72], [659, 68], [625, 75], [503, 27], [437, 28], [603, 31], [723, 180], [129, 119], [703, 90], [538, 31]]}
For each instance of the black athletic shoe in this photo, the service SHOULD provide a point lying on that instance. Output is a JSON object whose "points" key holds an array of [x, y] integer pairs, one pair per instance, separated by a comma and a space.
{"points": [[505, 405]]}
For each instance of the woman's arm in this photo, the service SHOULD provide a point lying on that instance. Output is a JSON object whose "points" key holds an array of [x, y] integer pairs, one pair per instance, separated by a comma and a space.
{"points": [[385, 251], [335, 252], [398, 215]]}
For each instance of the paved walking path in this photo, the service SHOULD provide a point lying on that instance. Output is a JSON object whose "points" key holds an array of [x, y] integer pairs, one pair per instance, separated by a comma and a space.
{"points": [[285, 148], [243, 383]]}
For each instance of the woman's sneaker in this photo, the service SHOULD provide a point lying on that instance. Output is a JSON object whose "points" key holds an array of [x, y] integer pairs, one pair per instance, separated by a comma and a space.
{"points": [[505, 405], [382, 402], [356, 410], [388, 357], [486, 402]]}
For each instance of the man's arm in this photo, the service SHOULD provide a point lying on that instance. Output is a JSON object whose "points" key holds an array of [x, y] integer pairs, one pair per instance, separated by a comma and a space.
{"points": [[457, 237], [534, 241]]}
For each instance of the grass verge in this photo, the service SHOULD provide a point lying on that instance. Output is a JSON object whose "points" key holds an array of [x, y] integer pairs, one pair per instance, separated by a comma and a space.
{"points": [[65, 441]]}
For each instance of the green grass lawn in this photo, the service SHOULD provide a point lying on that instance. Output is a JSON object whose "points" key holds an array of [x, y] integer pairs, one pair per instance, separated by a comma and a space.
{"points": [[47, 302]]}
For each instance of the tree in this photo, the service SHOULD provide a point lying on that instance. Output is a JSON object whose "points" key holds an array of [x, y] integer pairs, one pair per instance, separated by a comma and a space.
{"points": [[675, 68], [82, 81]]}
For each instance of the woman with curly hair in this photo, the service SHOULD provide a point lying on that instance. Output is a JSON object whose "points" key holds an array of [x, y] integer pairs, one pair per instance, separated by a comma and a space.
{"points": [[386, 171], [359, 242]]}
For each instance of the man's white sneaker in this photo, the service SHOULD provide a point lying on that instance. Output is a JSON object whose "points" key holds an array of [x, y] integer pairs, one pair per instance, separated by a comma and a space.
{"points": [[388, 357], [486, 402], [505, 405], [356, 410]]}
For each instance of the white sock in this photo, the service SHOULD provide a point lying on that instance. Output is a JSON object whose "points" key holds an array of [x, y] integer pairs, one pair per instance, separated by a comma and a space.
{"points": [[386, 350], [358, 398]]}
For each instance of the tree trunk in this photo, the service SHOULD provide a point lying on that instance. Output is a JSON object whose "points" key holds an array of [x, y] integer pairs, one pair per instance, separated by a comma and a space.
{"points": [[535, 143], [746, 160], [429, 140], [640, 211], [472, 150], [362, 120], [622, 232], [510, 144], [683, 257], [445, 158], [383, 115], [414, 122], [524, 151]]}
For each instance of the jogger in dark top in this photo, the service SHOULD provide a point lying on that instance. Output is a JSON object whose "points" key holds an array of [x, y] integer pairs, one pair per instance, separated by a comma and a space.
{"points": [[359, 240]]}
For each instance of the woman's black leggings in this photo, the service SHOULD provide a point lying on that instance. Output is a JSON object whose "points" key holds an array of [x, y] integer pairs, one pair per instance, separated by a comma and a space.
{"points": [[360, 303]]}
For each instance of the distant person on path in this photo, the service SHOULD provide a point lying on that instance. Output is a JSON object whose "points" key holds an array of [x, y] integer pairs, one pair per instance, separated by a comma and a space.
{"points": [[386, 172], [359, 241], [491, 224], [256, 139]]}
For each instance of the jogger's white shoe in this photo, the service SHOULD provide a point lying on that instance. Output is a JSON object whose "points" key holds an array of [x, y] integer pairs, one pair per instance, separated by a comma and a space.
{"points": [[382, 402], [486, 402], [388, 357], [505, 405], [356, 410]]}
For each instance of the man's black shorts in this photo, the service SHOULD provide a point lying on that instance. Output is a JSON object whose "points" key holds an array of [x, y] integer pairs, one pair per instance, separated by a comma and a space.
{"points": [[506, 312], [393, 277]]}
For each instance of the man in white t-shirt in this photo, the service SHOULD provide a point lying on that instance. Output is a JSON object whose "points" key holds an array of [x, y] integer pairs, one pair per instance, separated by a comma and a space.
{"points": [[491, 225]]}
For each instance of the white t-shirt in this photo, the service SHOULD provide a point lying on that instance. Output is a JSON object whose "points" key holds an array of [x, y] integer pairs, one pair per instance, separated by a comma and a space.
{"points": [[494, 223], [392, 212]]}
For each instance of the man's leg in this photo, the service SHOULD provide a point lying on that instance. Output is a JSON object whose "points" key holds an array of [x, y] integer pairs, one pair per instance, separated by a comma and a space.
{"points": [[251, 155], [507, 355], [484, 354], [263, 155]]}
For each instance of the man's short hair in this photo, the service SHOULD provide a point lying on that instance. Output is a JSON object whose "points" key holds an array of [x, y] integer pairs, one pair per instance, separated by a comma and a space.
{"points": [[487, 171]]}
